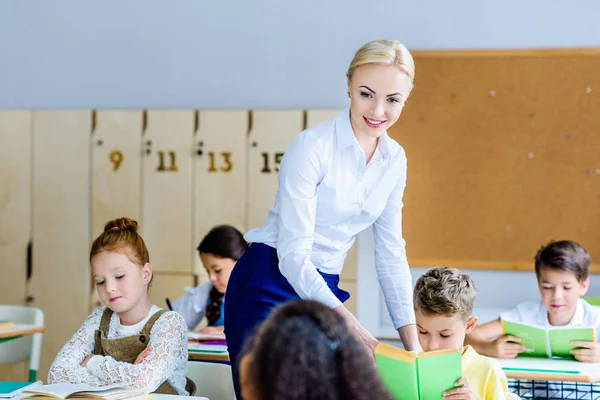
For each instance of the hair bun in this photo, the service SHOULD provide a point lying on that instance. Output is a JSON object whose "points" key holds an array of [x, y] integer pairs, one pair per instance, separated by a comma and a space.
{"points": [[121, 224]]}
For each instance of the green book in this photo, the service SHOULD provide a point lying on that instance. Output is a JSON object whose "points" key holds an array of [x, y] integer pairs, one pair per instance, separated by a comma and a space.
{"points": [[554, 341], [421, 376]]}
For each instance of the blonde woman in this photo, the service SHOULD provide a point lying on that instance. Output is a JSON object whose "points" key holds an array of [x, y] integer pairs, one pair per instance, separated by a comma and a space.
{"points": [[335, 180]]}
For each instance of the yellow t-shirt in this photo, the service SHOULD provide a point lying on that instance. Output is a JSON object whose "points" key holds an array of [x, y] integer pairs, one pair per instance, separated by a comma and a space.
{"points": [[485, 376]]}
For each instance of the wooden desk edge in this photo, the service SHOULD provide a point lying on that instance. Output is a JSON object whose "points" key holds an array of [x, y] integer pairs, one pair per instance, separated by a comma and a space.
{"points": [[21, 332], [552, 377], [208, 357]]}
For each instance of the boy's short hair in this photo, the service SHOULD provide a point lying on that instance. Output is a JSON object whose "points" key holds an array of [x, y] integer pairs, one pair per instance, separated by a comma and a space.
{"points": [[445, 291], [564, 255]]}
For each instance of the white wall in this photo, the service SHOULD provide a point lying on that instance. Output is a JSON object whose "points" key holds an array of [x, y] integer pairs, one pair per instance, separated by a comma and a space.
{"points": [[238, 54]]}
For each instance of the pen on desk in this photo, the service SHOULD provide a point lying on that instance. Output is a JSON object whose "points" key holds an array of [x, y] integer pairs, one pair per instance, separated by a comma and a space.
{"points": [[169, 304]]}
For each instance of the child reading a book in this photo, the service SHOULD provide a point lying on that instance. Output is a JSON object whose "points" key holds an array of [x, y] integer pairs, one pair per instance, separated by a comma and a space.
{"points": [[304, 350], [562, 272], [443, 300], [219, 250], [130, 342]]}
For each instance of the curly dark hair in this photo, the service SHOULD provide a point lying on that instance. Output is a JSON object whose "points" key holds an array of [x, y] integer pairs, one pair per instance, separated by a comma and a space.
{"points": [[304, 351]]}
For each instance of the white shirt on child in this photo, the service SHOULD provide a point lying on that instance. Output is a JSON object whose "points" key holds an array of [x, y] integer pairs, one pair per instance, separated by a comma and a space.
{"points": [[192, 305], [166, 361], [535, 313], [328, 194]]}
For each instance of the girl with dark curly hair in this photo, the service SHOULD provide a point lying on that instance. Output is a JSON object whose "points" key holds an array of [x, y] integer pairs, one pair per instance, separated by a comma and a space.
{"points": [[305, 351]]}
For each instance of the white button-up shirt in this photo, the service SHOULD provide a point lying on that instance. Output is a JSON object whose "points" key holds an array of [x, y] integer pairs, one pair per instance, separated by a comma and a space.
{"points": [[327, 194]]}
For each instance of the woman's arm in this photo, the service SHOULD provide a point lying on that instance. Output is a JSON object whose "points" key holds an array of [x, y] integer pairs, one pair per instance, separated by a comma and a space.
{"points": [[168, 344], [391, 263], [66, 367]]}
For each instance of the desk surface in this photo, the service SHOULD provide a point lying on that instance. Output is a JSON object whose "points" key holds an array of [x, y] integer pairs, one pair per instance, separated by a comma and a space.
{"points": [[20, 330], [550, 369]]}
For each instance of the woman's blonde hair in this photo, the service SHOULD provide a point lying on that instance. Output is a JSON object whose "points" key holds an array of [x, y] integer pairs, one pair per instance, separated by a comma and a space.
{"points": [[390, 52]]}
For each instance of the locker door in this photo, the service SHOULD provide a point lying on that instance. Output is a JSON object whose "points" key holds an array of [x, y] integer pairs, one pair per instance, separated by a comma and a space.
{"points": [[15, 216], [270, 134], [220, 180], [15, 203], [116, 171], [167, 190], [61, 224], [168, 285]]}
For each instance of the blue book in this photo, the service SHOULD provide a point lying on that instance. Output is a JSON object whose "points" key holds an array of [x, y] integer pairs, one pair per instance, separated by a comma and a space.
{"points": [[11, 389]]}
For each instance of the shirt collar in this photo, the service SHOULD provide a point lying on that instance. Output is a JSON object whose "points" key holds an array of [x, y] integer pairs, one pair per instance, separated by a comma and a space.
{"points": [[345, 134]]}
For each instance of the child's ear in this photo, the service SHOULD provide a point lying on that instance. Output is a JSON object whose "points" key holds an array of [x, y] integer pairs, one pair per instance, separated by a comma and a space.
{"points": [[584, 286], [471, 323], [147, 272]]}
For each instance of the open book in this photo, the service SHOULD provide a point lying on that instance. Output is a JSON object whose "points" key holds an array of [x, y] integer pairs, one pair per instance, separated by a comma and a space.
{"points": [[70, 391], [554, 341], [421, 376]]}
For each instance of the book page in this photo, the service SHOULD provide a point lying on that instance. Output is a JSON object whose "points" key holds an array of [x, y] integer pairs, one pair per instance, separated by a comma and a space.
{"points": [[398, 376], [560, 339], [62, 390], [533, 338], [436, 374]]}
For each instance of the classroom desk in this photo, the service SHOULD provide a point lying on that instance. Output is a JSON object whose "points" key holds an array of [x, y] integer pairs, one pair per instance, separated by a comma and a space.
{"points": [[19, 330], [550, 369]]}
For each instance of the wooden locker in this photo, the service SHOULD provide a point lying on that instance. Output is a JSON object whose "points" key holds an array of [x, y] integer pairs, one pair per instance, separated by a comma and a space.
{"points": [[167, 190], [220, 174], [61, 225], [15, 216], [270, 134], [168, 285], [15, 204], [116, 171], [315, 117]]}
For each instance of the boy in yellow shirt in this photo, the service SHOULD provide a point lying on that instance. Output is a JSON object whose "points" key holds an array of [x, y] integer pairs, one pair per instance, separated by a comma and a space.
{"points": [[443, 299]]}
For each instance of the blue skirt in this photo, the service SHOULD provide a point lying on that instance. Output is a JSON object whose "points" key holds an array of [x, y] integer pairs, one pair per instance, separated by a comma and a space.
{"points": [[255, 287]]}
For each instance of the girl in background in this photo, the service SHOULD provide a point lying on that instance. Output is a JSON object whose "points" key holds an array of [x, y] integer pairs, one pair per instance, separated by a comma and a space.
{"points": [[219, 251]]}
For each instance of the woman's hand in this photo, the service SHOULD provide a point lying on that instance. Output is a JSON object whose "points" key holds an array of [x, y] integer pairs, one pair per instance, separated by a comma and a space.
{"points": [[410, 338], [358, 330]]}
